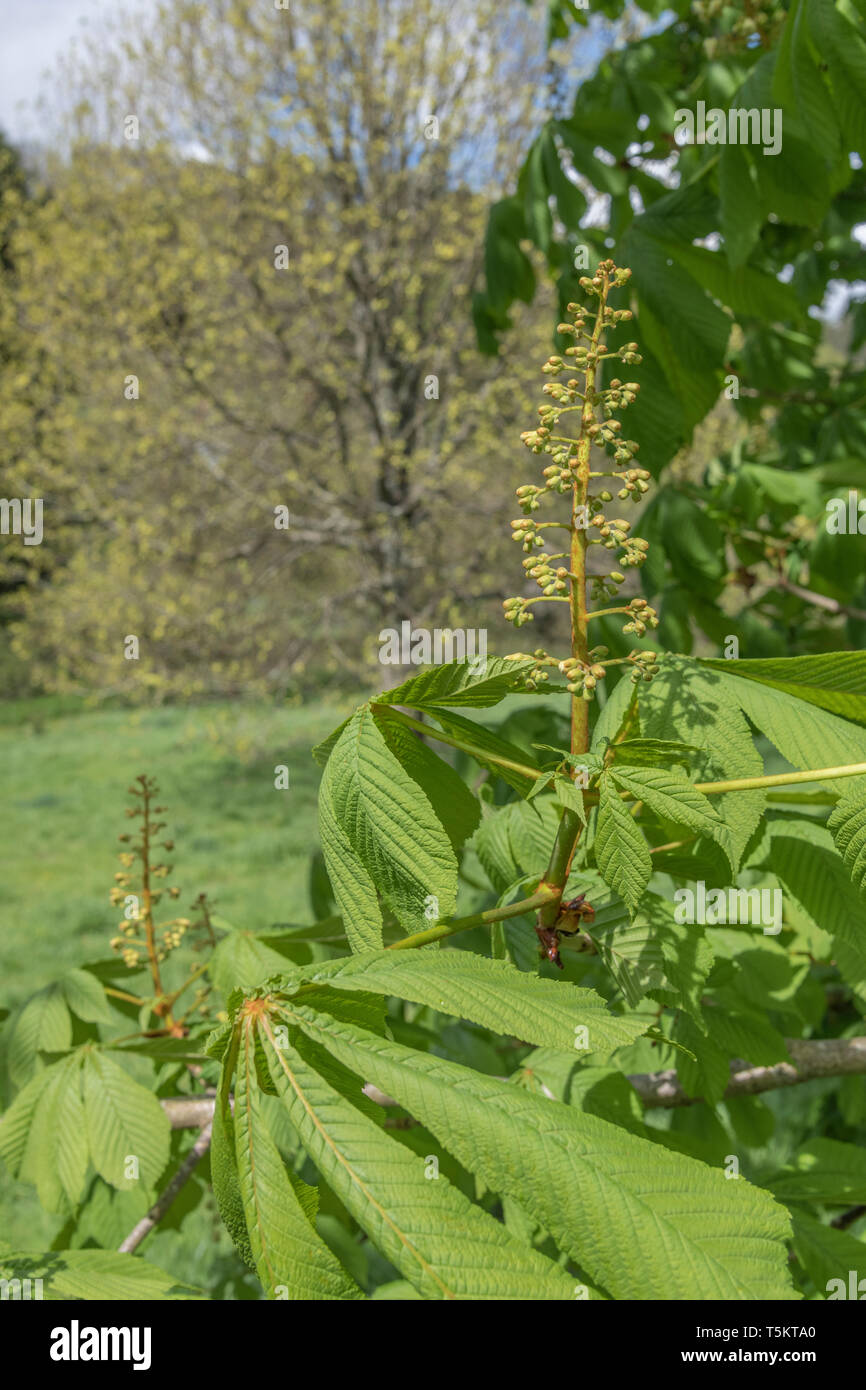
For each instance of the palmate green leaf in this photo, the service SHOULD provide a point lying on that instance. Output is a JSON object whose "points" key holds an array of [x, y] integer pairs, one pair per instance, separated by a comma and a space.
{"points": [[224, 1165], [693, 862], [653, 954], [291, 1259], [485, 741], [85, 996], [824, 1170], [744, 290], [321, 752], [633, 953], [435, 1237], [106, 1215], [363, 1007], [507, 269], [492, 993], [122, 1121], [397, 1290], [42, 1137], [666, 369], [57, 1150], [569, 796], [689, 702], [693, 544], [794, 184], [328, 930], [621, 852], [17, 1122], [632, 950], [847, 825], [515, 841], [826, 1253], [740, 209], [163, 1049], [543, 784], [533, 185], [43, 1025], [689, 343], [706, 1072], [670, 794], [835, 681], [354, 890], [94, 1275], [492, 844], [644, 1222], [836, 38], [570, 202], [797, 82], [752, 1121], [746, 1036], [589, 763], [379, 831], [458, 683], [651, 752], [804, 859], [243, 959], [688, 957], [454, 806], [620, 705]]}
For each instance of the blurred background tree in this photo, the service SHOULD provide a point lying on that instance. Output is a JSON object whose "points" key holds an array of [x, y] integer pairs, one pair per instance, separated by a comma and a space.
{"points": [[275, 223], [243, 374]]}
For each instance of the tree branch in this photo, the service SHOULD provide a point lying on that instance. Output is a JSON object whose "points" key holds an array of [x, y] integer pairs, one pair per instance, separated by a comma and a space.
{"points": [[165, 1199], [829, 605], [544, 894], [847, 1218], [813, 1059]]}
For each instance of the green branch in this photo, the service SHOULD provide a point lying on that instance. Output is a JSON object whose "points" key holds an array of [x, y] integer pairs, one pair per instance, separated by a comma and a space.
{"points": [[775, 779], [545, 893], [784, 779]]}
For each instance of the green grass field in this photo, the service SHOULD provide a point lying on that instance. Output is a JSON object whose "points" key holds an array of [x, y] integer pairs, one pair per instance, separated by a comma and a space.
{"points": [[64, 771]]}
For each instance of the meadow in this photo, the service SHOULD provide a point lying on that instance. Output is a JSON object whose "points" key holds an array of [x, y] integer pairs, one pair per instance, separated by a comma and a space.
{"points": [[65, 766]]}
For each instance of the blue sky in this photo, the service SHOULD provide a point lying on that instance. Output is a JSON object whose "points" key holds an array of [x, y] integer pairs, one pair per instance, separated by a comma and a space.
{"points": [[33, 34]]}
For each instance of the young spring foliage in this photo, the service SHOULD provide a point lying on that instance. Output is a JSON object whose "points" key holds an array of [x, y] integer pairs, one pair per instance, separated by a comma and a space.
{"points": [[438, 1090], [668, 784]]}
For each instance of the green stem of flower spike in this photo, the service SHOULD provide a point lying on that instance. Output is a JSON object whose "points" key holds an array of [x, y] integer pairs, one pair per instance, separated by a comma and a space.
{"points": [[570, 825]]}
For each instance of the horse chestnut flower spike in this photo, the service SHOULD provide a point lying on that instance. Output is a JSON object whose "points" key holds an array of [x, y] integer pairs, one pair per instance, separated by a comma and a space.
{"points": [[569, 468]]}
